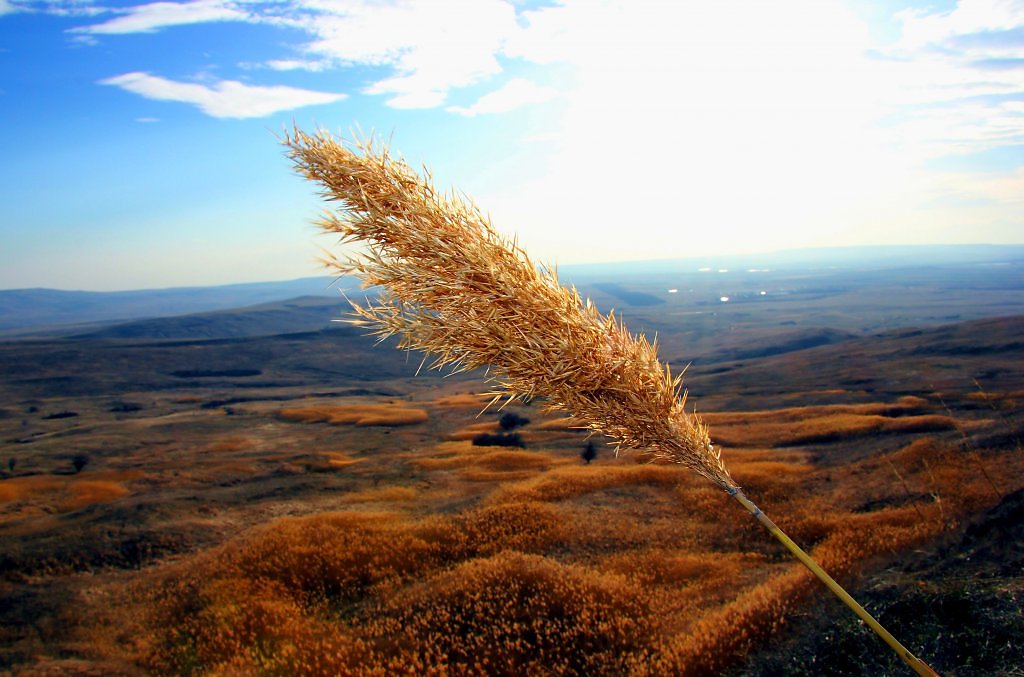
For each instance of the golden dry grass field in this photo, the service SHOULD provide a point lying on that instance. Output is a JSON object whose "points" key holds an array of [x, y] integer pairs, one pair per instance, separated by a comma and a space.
{"points": [[226, 527]]}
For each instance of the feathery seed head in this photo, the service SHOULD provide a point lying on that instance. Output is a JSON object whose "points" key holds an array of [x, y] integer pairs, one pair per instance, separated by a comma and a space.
{"points": [[454, 288]]}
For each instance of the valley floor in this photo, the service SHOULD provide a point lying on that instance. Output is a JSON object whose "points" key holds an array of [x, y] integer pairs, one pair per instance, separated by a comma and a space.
{"points": [[221, 518]]}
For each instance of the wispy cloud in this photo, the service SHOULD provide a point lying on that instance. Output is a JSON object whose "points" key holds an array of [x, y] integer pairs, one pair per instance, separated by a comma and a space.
{"points": [[999, 64], [939, 87], [225, 99], [815, 56], [431, 47], [298, 65], [154, 16], [426, 47], [7, 8], [951, 74], [981, 19], [516, 93]]}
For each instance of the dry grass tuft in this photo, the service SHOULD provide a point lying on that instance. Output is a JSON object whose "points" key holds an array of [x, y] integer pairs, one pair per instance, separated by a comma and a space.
{"points": [[773, 480], [34, 494], [528, 526], [382, 495], [517, 614], [89, 492], [566, 423], [820, 425], [564, 483], [504, 466], [474, 429], [17, 488], [675, 569], [921, 448], [357, 414], [462, 400], [485, 464], [338, 461]]}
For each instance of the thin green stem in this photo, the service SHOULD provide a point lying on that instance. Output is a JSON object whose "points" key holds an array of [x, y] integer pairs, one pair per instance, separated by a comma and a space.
{"points": [[919, 666]]}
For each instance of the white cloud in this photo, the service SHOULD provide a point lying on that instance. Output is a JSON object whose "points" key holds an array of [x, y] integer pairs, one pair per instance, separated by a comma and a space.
{"points": [[298, 65], [947, 81], [921, 28], [415, 98], [940, 88], [425, 47], [7, 8], [432, 46], [151, 17], [516, 93], [225, 99], [993, 188], [64, 8]]}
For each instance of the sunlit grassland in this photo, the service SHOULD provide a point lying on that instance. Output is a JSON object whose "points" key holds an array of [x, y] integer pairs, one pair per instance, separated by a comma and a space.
{"points": [[431, 555]]}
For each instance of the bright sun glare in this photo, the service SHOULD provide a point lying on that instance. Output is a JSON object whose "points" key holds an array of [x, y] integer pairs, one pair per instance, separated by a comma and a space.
{"points": [[746, 139]]}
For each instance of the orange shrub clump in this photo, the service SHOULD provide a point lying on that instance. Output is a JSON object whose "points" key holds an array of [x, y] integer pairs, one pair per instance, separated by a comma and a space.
{"points": [[87, 492], [336, 460], [357, 414], [573, 481], [825, 428], [515, 614], [527, 527], [462, 400], [24, 487], [567, 423], [248, 603], [260, 603], [382, 495], [474, 429], [8, 492], [772, 480]]}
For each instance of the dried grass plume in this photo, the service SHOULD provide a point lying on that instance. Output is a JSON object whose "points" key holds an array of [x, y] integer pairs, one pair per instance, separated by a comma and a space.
{"points": [[454, 288]]}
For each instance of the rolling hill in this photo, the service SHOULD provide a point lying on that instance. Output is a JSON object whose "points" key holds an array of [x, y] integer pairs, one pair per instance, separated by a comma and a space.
{"points": [[628, 284], [261, 488]]}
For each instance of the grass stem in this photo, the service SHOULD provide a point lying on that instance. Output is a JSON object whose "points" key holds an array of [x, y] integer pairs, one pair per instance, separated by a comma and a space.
{"points": [[919, 666]]}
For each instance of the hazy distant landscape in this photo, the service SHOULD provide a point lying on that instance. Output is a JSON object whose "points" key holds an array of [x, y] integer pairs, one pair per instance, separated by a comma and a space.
{"points": [[226, 481], [810, 212]]}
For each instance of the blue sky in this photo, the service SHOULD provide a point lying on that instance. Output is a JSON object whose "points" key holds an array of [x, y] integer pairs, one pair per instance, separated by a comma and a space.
{"points": [[140, 140]]}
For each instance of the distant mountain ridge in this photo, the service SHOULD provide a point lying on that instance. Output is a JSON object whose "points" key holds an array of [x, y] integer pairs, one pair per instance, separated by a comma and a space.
{"points": [[36, 310], [302, 314]]}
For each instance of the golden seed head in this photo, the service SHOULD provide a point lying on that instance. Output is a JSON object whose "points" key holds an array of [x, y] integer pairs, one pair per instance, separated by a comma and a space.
{"points": [[454, 288]]}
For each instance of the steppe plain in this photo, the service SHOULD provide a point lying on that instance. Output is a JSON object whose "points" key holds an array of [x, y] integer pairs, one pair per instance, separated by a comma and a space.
{"points": [[262, 491]]}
